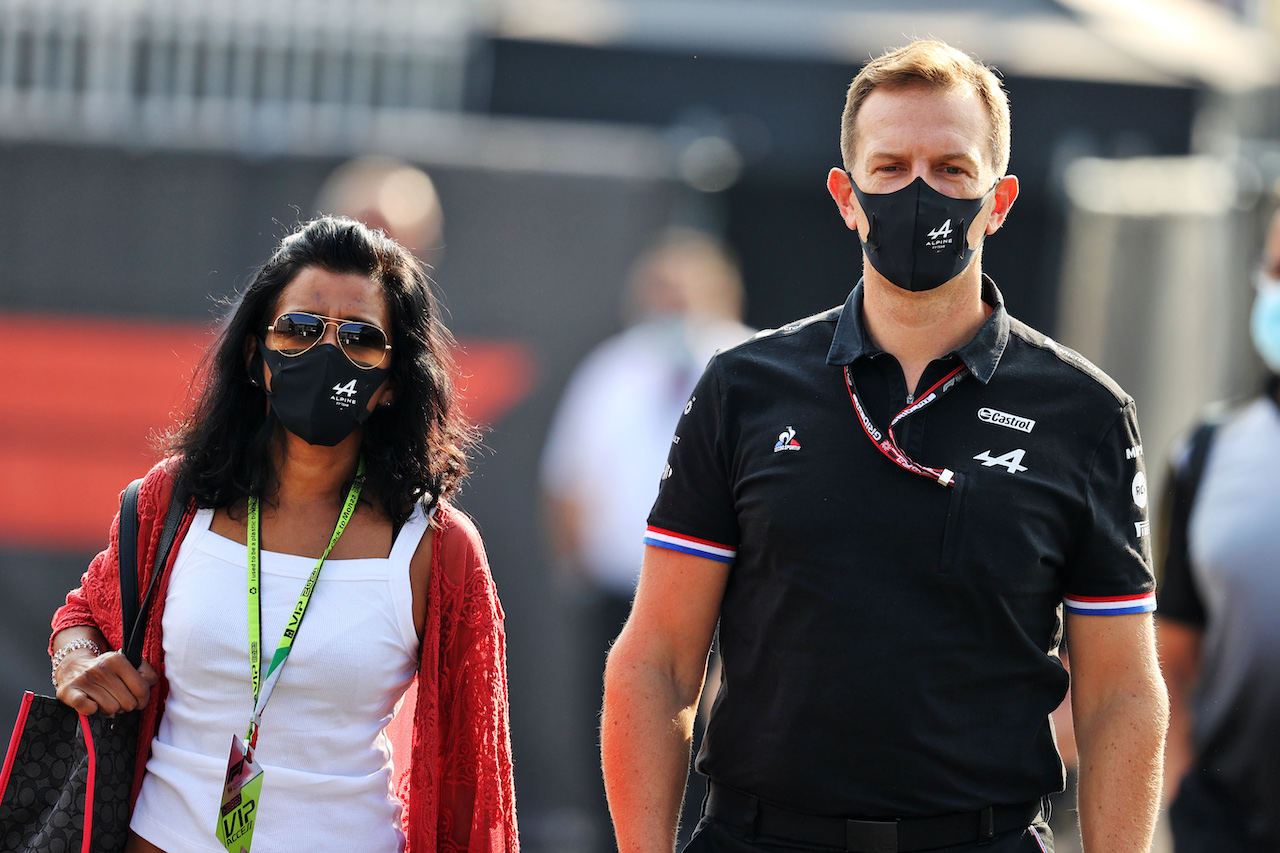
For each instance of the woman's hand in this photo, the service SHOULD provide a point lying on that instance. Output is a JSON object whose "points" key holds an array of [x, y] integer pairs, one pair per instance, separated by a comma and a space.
{"points": [[107, 682]]}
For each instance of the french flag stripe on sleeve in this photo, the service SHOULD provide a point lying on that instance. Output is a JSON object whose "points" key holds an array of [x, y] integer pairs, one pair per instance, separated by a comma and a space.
{"points": [[1143, 602], [688, 544]]}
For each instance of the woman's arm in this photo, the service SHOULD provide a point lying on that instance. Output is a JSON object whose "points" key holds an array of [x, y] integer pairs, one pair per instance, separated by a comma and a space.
{"points": [[462, 746], [478, 787], [106, 681]]}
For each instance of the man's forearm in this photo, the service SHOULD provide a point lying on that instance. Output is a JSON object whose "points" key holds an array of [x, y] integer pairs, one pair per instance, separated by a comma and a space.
{"points": [[645, 736], [1121, 747]]}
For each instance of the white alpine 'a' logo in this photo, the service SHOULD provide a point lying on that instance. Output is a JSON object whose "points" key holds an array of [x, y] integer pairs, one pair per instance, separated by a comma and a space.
{"points": [[943, 230], [1011, 461], [349, 389]]}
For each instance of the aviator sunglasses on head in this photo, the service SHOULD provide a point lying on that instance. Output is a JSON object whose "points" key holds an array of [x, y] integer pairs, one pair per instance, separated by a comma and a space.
{"points": [[295, 332]]}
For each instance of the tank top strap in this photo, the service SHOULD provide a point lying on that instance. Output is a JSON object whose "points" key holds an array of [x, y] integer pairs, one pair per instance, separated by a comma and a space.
{"points": [[410, 535]]}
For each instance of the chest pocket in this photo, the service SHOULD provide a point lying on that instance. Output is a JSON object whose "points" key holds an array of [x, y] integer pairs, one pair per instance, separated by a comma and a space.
{"points": [[954, 532], [1007, 528]]}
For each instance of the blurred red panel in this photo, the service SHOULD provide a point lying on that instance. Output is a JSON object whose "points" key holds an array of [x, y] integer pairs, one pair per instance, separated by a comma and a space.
{"points": [[84, 399], [493, 376], [85, 396]]}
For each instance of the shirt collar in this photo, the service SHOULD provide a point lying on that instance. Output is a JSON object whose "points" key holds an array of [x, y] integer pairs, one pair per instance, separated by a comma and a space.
{"points": [[981, 355]]}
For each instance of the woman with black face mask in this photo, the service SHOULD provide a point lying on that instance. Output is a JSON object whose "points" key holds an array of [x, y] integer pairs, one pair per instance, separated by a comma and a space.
{"points": [[318, 565]]}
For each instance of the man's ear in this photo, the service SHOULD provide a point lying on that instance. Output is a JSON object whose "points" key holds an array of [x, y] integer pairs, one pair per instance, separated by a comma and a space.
{"points": [[841, 188], [1006, 194]]}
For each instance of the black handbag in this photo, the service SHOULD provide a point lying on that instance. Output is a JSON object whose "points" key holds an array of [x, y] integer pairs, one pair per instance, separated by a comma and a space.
{"points": [[67, 778]]}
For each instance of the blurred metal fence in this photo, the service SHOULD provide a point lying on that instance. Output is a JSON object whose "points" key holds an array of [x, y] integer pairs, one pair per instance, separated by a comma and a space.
{"points": [[1155, 285], [239, 74]]}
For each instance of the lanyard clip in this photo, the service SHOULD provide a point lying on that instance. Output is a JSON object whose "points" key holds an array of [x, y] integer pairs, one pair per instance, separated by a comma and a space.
{"points": [[251, 738], [947, 477]]}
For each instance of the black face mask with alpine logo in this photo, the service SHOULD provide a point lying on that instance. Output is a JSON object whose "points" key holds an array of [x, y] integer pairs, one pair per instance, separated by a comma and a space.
{"points": [[917, 236], [320, 396]]}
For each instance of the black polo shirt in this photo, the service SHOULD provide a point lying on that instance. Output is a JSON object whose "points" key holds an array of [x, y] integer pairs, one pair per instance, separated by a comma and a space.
{"points": [[889, 643]]}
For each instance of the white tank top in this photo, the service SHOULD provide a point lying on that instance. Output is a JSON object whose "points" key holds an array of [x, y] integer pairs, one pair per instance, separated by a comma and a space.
{"points": [[327, 764]]}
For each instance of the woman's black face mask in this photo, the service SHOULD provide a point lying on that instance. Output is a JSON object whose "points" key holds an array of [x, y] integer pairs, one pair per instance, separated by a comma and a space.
{"points": [[320, 396], [917, 236]]}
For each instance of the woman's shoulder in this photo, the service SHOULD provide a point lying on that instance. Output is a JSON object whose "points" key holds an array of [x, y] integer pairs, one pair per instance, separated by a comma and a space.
{"points": [[458, 554], [157, 486], [162, 475], [457, 528]]}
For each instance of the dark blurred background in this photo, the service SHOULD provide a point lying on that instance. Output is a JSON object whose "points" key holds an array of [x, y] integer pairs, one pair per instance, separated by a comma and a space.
{"points": [[152, 153]]}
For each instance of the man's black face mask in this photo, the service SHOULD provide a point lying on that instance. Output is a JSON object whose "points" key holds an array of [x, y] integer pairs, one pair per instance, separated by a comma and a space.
{"points": [[320, 396], [917, 236]]}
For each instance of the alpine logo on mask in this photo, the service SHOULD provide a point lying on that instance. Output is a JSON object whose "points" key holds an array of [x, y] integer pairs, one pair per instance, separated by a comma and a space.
{"points": [[344, 395], [938, 238], [320, 396], [893, 245]]}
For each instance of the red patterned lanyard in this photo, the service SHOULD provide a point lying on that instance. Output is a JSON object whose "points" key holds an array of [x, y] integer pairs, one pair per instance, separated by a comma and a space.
{"points": [[888, 443]]}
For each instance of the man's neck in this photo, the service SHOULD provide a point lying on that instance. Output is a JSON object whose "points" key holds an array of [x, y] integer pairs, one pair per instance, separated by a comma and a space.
{"points": [[917, 328]]}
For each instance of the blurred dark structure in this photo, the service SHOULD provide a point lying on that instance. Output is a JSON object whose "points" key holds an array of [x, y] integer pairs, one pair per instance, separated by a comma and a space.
{"points": [[152, 152], [784, 114]]}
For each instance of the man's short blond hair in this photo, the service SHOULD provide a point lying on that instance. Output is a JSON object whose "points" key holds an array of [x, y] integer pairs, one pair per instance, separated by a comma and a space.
{"points": [[936, 65]]}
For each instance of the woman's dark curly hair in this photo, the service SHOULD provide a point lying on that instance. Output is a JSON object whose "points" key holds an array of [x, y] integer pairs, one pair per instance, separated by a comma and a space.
{"points": [[414, 450]]}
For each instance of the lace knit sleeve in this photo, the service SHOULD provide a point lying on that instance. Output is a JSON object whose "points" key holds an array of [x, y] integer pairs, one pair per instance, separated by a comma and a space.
{"points": [[96, 601], [473, 788]]}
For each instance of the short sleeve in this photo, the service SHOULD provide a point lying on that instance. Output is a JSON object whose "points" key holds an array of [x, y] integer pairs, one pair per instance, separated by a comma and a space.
{"points": [[1110, 570], [694, 512]]}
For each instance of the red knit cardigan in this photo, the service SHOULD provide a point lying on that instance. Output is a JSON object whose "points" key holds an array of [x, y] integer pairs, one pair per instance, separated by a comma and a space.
{"points": [[457, 788]]}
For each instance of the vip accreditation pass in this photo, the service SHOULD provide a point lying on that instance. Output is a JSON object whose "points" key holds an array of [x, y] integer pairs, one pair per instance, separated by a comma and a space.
{"points": [[240, 796]]}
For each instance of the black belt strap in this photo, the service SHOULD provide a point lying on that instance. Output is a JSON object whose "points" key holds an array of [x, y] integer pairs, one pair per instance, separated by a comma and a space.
{"points": [[904, 835]]}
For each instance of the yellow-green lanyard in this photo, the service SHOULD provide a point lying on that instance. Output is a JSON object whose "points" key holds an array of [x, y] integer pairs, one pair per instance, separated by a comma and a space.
{"points": [[262, 691]]}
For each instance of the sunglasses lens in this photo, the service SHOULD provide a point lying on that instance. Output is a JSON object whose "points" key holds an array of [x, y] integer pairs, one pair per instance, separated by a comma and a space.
{"points": [[295, 333], [363, 343]]}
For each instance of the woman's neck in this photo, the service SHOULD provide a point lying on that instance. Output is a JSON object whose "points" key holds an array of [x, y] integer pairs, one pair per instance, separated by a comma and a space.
{"points": [[312, 474]]}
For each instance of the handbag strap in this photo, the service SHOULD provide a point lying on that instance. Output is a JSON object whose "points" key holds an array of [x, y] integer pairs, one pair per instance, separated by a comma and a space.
{"points": [[128, 566], [134, 616]]}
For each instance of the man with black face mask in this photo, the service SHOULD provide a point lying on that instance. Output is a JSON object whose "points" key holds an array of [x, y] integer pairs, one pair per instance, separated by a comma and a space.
{"points": [[883, 512]]}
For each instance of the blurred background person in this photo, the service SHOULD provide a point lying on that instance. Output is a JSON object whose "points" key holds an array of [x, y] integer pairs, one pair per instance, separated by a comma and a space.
{"points": [[611, 433], [391, 195], [1218, 632]]}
